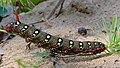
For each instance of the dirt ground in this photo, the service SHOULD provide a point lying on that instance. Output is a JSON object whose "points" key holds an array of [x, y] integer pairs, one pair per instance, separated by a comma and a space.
{"points": [[65, 25]]}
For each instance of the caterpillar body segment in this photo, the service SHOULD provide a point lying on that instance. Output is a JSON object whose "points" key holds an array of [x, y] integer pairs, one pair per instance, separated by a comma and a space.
{"points": [[53, 43]]}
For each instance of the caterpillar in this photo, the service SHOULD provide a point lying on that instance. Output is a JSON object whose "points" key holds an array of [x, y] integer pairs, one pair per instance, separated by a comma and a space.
{"points": [[53, 43]]}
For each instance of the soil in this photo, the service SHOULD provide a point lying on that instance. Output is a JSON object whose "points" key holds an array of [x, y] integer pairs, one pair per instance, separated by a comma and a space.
{"points": [[66, 26]]}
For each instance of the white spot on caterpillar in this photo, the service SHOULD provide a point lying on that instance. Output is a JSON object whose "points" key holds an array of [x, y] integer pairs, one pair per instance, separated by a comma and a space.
{"points": [[90, 46], [23, 29], [17, 23], [11, 23], [58, 44], [65, 51], [88, 43], [48, 36], [81, 47], [60, 51], [36, 32], [80, 43], [46, 40], [71, 42], [60, 40], [95, 43], [25, 26], [71, 45]]}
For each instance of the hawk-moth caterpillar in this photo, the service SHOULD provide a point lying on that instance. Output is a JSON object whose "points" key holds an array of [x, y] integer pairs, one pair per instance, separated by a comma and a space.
{"points": [[53, 43]]}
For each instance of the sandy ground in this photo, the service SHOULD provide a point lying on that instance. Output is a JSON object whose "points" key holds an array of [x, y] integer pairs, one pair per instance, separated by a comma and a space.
{"points": [[65, 25]]}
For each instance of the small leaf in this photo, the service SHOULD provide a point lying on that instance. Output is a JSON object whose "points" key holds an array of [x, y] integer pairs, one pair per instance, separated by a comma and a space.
{"points": [[3, 11], [42, 54]]}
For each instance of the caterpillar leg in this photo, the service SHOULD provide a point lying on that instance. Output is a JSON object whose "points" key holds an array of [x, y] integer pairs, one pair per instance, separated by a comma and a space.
{"points": [[60, 10], [60, 3], [28, 46], [57, 62]]}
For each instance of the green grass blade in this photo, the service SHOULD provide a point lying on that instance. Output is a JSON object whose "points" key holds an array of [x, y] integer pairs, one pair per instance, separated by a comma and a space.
{"points": [[24, 2], [115, 22], [105, 25]]}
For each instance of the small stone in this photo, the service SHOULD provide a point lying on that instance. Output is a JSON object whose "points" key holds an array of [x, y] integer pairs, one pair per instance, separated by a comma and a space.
{"points": [[104, 60], [1, 54], [0, 59], [116, 60], [1, 18], [82, 31]]}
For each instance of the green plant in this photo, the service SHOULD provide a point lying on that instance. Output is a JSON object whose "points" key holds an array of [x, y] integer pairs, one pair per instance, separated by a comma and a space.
{"points": [[25, 5], [20, 63], [3, 11], [42, 54], [23, 64], [42, 58], [113, 33]]}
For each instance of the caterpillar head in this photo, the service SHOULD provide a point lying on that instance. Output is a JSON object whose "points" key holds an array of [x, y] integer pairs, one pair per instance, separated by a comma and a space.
{"points": [[11, 26], [99, 48]]}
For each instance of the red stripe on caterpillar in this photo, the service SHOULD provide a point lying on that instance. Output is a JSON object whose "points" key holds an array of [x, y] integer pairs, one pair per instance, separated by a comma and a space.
{"points": [[54, 43]]}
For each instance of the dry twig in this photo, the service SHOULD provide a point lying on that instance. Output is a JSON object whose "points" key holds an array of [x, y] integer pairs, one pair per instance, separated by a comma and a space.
{"points": [[60, 2]]}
